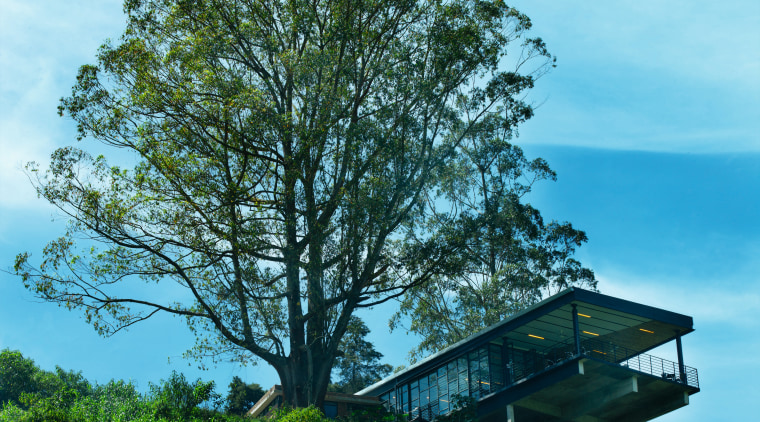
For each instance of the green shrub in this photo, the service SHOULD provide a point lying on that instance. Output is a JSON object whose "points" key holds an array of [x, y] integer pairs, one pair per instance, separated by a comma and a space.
{"points": [[306, 414], [177, 399], [11, 412]]}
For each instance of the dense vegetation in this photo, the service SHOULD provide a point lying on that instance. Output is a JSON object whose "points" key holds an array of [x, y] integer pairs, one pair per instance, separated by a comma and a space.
{"points": [[28, 393]]}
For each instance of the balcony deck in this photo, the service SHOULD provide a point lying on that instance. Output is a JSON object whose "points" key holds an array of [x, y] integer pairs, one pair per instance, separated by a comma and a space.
{"points": [[604, 383], [611, 353]]}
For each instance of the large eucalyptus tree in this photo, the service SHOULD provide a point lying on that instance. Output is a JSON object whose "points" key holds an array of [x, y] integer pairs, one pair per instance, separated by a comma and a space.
{"points": [[288, 154]]}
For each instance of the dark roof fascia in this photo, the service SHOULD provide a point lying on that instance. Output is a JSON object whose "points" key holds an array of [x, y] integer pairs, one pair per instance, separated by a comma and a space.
{"points": [[634, 308], [475, 340]]}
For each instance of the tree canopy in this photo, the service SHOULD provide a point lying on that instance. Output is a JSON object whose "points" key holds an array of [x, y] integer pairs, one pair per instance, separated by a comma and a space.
{"points": [[501, 255], [291, 159], [358, 363], [241, 396]]}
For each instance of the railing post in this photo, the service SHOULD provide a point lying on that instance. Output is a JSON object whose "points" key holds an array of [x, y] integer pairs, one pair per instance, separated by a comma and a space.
{"points": [[681, 371], [576, 331]]}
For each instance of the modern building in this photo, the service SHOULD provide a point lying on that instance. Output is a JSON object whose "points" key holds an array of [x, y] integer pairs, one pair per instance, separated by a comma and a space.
{"points": [[576, 356]]}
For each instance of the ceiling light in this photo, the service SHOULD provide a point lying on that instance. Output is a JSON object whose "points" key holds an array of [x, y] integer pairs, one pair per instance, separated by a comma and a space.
{"points": [[593, 334], [646, 331], [584, 315], [538, 337]]}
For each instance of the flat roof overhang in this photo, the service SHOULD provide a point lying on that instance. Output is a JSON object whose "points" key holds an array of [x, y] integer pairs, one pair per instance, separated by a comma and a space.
{"points": [[586, 390], [635, 327]]}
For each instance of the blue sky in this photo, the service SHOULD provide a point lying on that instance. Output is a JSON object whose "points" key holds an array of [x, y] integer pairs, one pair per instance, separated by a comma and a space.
{"points": [[651, 119]]}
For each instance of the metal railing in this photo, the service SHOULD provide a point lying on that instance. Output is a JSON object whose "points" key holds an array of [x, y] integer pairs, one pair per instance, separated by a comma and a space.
{"points": [[531, 364], [641, 362]]}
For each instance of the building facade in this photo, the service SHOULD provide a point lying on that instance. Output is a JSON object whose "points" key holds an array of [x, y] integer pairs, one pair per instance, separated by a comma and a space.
{"points": [[576, 356]]}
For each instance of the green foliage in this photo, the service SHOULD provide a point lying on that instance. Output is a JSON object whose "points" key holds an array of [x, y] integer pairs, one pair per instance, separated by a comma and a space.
{"points": [[289, 161], [53, 406], [498, 255], [306, 414], [17, 375], [177, 399], [74, 381], [359, 364], [11, 412], [35, 395], [241, 396], [115, 401], [378, 414]]}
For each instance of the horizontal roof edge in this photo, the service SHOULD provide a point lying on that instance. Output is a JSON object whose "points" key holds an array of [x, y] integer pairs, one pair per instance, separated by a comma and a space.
{"points": [[635, 308]]}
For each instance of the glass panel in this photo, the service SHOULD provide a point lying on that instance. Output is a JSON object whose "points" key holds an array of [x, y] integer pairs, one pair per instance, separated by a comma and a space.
{"points": [[443, 408], [485, 380], [496, 370], [453, 387], [451, 372], [441, 372], [474, 374], [331, 410], [385, 400], [462, 387], [423, 383]]}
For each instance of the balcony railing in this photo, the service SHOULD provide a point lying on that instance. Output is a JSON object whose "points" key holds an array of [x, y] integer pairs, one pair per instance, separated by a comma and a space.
{"points": [[540, 361], [641, 362]]}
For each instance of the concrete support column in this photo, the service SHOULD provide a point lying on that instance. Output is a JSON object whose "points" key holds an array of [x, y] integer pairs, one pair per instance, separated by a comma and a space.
{"points": [[510, 413], [679, 349], [576, 331]]}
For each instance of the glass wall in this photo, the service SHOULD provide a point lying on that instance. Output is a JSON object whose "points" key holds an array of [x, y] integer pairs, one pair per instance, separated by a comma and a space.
{"points": [[474, 374]]}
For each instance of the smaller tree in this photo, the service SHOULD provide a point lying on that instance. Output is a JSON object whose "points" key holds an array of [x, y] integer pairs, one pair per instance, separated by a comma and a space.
{"points": [[178, 399], [242, 396], [17, 375], [359, 365], [498, 255], [23, 383]]}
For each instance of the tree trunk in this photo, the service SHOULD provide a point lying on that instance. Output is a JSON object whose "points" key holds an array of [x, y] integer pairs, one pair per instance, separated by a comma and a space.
{"points": [[305, 378]]}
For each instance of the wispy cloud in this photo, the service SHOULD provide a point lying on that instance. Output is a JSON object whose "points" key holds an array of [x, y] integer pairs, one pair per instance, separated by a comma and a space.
{"points": [[727, 306], [43, 44], [676, 76]]}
